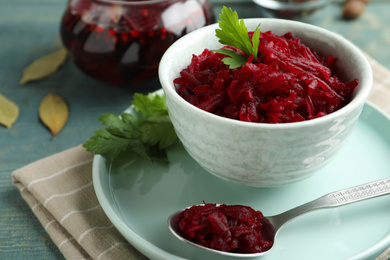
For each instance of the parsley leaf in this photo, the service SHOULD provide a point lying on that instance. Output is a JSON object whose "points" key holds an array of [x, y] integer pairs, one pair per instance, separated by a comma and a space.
{"points": [[158, 130], [146, 133], [234, 59], [233, 32], [151, 104]]}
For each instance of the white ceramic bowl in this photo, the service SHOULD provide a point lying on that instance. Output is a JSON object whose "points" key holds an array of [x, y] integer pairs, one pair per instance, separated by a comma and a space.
{"points": [[256, 154]]}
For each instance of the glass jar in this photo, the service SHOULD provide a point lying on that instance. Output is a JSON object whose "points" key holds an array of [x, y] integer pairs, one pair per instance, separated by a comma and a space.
{"points": [[122, 42]]}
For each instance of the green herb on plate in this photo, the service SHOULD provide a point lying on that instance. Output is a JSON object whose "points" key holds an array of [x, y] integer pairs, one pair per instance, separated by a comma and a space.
{"points": [[145, 133], [233, 32]]}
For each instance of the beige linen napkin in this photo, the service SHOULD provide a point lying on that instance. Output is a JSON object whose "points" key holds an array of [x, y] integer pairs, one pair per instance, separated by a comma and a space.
{"points": [[59, 191]]}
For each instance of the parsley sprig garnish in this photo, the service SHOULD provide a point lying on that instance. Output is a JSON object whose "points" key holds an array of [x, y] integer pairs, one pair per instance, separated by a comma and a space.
{"points": [[233, 32], [146, 133]]}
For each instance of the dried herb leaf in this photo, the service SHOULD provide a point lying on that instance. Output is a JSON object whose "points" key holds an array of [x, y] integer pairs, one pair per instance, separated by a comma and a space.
{"points": [[9, 111], [54, 112], [44, 66]]}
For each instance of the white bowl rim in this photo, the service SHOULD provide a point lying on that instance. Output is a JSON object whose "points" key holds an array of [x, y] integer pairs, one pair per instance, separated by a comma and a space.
{"points": [[358, 100]]}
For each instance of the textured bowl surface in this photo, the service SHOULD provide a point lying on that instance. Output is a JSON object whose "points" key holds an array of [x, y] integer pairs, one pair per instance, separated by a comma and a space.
{"points": [[264, 155]]}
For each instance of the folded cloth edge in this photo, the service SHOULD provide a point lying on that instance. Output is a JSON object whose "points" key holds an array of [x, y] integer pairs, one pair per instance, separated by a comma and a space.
{"points": [[80, 232], [58, 234]]}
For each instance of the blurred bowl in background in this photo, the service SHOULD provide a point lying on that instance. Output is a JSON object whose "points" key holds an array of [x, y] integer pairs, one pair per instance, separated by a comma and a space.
{"points": [[290, 9]]}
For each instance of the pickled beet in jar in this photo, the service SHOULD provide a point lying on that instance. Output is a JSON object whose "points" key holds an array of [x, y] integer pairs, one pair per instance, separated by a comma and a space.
{"points": [[122, 42]]}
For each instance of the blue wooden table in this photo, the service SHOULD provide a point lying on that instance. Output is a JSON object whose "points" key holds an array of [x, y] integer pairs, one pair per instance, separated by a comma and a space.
{"points": [[28, 30]]}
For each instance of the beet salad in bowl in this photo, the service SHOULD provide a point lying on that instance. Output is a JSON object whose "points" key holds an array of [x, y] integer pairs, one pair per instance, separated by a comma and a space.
{"points": [[263, 102]]}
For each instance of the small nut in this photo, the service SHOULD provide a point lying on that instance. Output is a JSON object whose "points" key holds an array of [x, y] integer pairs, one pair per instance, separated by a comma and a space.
{"points": [[353, 8]]}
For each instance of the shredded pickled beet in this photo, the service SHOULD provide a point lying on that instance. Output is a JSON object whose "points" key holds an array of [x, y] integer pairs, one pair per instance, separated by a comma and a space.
{"points": [[289, 82], [232, 228]]}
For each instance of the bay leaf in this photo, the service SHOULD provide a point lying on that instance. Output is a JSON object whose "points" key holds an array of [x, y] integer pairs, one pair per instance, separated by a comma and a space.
{"points": [[9, 111], [54, 113], [44, 66]]}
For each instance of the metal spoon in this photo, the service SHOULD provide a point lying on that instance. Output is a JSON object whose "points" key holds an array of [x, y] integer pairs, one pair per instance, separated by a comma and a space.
{"points": [[334, 199]]}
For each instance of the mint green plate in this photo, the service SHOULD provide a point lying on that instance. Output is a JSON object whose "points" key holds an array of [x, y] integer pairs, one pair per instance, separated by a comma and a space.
{"points": [[139, 196]]}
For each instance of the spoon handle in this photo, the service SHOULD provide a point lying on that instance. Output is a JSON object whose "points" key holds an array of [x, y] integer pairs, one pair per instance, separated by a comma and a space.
{"points": [[335, 199], [357, 193]]}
